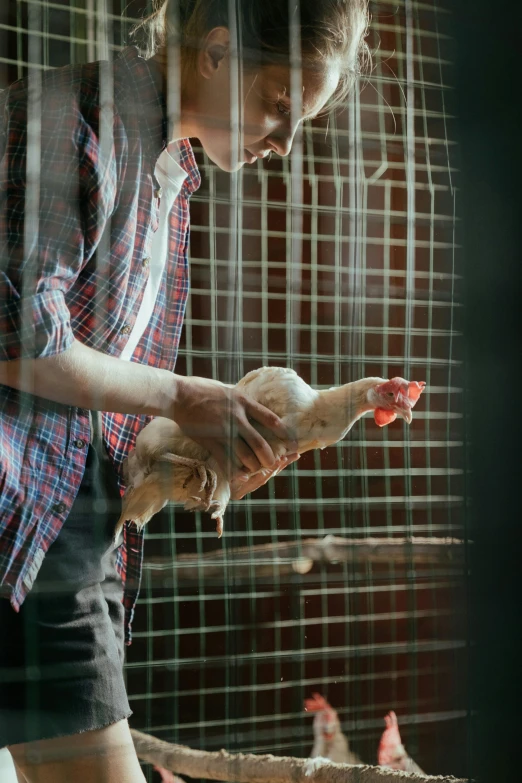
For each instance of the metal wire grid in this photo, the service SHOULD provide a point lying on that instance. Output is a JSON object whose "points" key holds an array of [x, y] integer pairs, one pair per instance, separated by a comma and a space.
{"points": [[339, 262]]}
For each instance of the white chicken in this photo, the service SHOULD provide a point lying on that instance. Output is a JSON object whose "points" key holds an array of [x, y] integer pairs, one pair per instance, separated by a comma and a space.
{"points": [[166, 465], [392, 753], [329, 741]]}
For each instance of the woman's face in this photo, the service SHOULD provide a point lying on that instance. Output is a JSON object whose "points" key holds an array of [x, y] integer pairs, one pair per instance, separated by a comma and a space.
{"points": [[264, 117]]}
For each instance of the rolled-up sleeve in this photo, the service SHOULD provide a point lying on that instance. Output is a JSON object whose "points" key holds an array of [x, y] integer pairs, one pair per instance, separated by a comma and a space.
{"points": [[35, 326], [48, 190]]}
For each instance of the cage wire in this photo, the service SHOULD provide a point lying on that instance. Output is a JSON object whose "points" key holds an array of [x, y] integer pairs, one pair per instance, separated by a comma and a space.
{"points": [[338, 261]]}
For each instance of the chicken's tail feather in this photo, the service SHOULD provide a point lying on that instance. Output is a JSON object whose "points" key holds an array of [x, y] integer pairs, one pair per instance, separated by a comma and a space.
{"points": [[139, 505]]}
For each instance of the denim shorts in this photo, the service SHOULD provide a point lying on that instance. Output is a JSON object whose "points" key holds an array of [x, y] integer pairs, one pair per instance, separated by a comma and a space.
{"points": [[61, 656]]}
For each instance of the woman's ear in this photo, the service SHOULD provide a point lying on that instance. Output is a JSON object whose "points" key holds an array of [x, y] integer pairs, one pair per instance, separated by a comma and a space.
{"points": [[214, 51]]}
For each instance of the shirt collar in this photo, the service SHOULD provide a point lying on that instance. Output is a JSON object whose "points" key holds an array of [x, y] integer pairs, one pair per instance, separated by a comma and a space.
{"points": [[187, 161], [144, 79]]}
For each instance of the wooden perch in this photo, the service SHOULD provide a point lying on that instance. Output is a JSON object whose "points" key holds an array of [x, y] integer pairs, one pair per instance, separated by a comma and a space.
{"points": [[249, 768], [299, 556]]}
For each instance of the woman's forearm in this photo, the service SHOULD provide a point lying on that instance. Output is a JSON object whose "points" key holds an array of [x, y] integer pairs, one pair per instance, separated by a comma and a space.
{"points": [[220, 418], [86, 378]]}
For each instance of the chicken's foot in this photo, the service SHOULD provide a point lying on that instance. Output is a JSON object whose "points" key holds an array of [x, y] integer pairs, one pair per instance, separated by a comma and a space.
{"points": [[197, 466]]}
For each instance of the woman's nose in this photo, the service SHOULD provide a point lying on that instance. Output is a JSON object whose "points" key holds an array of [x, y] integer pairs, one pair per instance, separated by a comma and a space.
{"points": [[281, 141]]}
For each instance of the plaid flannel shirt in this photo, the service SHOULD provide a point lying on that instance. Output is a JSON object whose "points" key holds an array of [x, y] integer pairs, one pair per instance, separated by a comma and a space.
{"points": [[78, 208]]}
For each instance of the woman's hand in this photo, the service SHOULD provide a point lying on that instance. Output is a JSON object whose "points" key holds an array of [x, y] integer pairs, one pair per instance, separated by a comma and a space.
{"points": [[219, 418], [239, 487]]}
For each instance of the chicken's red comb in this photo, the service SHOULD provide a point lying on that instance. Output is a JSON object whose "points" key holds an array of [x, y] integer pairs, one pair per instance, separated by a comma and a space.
{"points": [[391, 720], [415, 389], [316, 703], [390, 740]]}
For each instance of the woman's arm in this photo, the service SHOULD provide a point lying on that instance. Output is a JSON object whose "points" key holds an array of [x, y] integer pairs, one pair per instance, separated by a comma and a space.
{"points": [[85, 378], [211, 413], [38, 350]]}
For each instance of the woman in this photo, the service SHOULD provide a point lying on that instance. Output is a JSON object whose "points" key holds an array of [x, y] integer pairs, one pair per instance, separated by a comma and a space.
{"points": [[96, 179]]}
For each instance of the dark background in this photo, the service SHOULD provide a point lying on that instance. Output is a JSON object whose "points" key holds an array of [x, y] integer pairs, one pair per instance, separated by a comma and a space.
{"points": [[226, 662], [487, 77]]}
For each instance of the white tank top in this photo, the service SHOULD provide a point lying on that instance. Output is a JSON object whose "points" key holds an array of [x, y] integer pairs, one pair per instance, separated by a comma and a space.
{"points": [[170, 176]]}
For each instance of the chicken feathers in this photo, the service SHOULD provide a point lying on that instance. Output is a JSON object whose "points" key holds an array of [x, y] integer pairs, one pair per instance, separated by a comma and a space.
{"points": [[167, 466], [391, 753], [329, 740]]}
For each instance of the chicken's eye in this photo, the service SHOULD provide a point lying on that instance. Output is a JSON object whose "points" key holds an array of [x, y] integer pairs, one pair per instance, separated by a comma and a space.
{"points": [[390, 394]]}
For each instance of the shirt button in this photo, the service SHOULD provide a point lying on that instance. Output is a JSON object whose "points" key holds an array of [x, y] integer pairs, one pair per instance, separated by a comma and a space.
{"points": [[145, 262], [125, 329], [80, 443], [60, 508], [158, 192]]}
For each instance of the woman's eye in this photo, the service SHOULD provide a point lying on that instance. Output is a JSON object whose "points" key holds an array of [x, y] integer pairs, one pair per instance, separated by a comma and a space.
{"points": [[283, 109]]}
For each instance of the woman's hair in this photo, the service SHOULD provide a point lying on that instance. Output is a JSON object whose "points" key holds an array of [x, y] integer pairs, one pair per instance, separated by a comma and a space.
{"points": [[328, 30]]}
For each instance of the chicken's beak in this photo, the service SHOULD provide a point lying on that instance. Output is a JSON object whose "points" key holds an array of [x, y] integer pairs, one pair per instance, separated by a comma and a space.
{"points": [[406, 415], [404, 406]]}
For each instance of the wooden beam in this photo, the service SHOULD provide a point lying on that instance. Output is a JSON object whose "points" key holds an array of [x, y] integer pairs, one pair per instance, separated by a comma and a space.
{"points": [[250, 768], [266, 560]]}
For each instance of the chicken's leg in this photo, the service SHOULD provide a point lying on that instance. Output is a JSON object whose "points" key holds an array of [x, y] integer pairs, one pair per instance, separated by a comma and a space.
{"points": [[206, 476], [199, 468]]}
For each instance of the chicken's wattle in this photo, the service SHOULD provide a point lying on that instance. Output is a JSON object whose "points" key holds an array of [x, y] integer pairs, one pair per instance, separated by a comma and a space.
{"points": [[383, 417]]}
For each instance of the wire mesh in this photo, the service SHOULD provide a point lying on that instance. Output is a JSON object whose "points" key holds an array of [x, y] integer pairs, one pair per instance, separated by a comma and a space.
{"points": [[339, 262]]}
